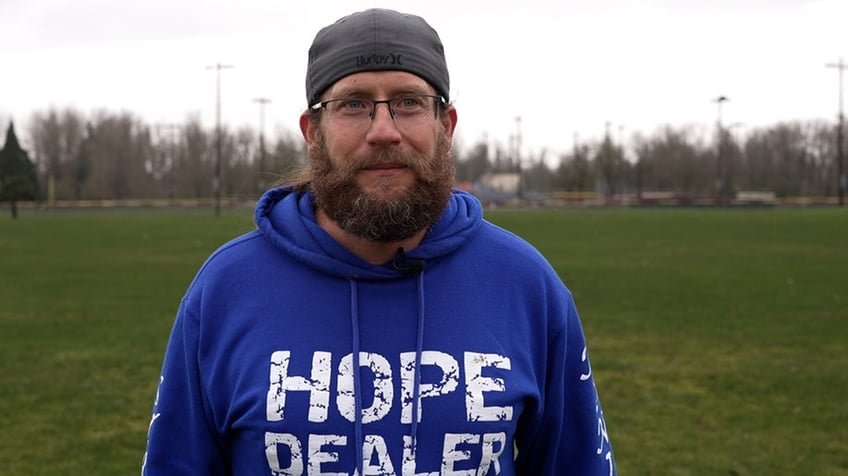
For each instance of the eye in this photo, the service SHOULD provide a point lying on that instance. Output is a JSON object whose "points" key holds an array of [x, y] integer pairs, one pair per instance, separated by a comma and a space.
{"points": [[349, 106], [352, 104], [410, 103]]}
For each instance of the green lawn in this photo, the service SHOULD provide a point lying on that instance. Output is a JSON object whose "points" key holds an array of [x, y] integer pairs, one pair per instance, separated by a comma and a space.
{"points": [[719, 338]]}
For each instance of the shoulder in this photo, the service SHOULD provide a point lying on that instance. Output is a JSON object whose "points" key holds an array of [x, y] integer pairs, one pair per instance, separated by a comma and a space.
{"points": [[233, 251], [510, 247], [506, 272], [232, 261], [499, 254]]}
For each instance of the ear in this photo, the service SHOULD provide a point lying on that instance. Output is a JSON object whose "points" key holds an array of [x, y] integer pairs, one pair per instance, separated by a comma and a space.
{"points": [[308, 128], [449, 122]]}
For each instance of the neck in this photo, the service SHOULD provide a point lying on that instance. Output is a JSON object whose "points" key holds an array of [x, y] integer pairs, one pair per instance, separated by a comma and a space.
{"points": [[374, 252]]}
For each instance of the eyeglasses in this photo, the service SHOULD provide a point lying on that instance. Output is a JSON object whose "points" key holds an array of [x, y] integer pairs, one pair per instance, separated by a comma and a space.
{"points": [[403, 109]]}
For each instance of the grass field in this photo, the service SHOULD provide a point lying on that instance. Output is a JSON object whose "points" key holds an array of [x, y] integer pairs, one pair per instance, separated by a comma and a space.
{"points": [[719, 338]]}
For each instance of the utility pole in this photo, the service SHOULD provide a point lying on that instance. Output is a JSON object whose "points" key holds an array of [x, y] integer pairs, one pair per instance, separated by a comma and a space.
{"points": [[720, 192], [842, 181], [216, 182], [262, 102]]}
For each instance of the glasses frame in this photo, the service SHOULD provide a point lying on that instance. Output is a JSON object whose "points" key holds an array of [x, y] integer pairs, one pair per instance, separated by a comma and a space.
{"points": [[374, 102]]}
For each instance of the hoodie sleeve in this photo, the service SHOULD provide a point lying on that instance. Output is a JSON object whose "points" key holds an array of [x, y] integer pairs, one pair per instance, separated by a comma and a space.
{"points": [[181, 440], [568, 436]]}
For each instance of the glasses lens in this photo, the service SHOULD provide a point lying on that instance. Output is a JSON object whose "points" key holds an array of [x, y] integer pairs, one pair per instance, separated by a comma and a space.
{"points": [[350, 107], [411, 106], [404, 110]]}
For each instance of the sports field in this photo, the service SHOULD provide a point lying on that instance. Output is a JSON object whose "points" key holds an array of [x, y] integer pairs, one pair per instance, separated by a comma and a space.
{"points": [[719, 338]]}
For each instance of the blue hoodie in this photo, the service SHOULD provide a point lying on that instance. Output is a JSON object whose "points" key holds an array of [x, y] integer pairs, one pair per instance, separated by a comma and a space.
{"points": [[290, 355]]}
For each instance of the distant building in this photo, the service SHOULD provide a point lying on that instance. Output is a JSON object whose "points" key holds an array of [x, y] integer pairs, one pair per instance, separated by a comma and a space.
{"points": [[495, 189], [501, 182]]}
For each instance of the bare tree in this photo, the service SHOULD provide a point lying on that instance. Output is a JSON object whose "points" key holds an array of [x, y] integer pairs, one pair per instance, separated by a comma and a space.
{"points": [[775, 159], [538, 177], [288, 155], [474, 164], [243, 148], [118, 156], [196, 167], [671, 161], [57, 138], [574, 173], [609, 161]]}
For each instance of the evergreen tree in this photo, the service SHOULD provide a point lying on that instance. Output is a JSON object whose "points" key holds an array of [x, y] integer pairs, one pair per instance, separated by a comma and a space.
{"points": [[17, 173]]}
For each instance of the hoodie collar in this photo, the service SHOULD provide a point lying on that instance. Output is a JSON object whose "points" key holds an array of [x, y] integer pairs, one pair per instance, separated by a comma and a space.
{"points": [[288, 221]]}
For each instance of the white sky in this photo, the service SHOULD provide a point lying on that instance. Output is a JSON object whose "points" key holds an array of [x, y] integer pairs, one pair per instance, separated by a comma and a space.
{"points": [[565, 67]]}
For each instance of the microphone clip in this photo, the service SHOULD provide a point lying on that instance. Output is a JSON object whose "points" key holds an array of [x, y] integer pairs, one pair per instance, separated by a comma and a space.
{"points": [[405, 265]]}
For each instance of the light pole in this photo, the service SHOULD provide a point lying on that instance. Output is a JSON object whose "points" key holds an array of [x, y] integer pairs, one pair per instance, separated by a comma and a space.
{"points": [[842, 183], [518, 156], [216, 182], [719, 183], [262, 102]]}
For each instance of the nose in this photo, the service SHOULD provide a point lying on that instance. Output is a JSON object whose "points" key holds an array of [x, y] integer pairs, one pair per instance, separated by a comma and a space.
{"points": [[383, 128]]}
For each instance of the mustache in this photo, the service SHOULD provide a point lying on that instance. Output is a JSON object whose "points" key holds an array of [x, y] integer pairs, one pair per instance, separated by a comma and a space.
{"points": [[379, 158], [427, 169]]}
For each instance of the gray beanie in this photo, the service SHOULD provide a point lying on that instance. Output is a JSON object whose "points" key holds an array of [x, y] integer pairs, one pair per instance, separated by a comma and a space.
{"points": [[376, 40]]}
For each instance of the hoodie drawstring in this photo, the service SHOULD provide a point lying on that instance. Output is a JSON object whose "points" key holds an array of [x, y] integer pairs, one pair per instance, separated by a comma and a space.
{"points": [[417, 267], [357, 394], [419, 349]]}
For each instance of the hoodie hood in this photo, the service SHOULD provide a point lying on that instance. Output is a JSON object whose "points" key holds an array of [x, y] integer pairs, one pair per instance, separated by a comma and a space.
{"points": [[287, 220]]}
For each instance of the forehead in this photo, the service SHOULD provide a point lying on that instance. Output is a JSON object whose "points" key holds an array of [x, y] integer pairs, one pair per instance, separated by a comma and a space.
{"points": [[379, 83]]}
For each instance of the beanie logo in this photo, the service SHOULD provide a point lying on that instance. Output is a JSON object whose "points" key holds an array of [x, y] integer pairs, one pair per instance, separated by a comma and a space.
{"points": [[375, 59]]}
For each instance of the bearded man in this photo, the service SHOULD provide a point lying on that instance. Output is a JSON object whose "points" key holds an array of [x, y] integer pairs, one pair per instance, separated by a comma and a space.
{"points": [[375, 323]]}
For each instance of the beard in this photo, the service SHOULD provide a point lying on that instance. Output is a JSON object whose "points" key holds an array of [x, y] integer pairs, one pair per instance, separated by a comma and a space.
{"points": [[384, 215]]}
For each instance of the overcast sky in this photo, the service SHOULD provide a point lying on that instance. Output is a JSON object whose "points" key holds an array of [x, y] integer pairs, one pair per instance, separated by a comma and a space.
{"points": [[565, 68]]}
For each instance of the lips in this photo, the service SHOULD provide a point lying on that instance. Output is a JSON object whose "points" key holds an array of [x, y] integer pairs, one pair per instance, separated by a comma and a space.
{"points": [[387, 166]]}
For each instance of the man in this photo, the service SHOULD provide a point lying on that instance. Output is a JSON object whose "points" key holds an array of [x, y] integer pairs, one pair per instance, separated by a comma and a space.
{"points": [[374, 323]]}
